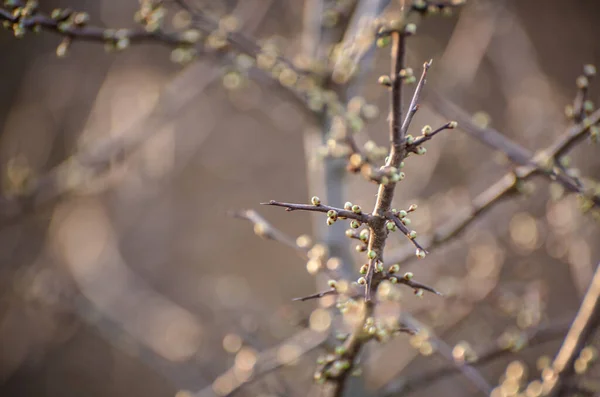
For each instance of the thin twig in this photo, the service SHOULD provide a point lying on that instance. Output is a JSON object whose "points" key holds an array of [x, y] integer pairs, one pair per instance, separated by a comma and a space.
{"points": [[264, 229], [341, 213], [414, 106]]}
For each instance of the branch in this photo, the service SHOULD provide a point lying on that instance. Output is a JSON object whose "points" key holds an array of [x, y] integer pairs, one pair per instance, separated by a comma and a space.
{"points": [[414, 105], [504, 187], [585, 323], [486, 355], [340, 212], [470, 372], [73, 25], [540, 163], [266, 362], [452, 228], [264, 229]]}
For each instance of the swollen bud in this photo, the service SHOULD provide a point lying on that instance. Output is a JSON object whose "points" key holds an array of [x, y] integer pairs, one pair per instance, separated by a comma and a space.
{"points": [[315, 201], [385, 81]]}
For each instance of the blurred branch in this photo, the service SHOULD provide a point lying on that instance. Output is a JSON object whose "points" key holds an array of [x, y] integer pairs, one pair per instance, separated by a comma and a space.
{"points": [[99, 157], [268, 361], [585, 323], [543, 162], [486, 355], [506, 185], [24, 16], [264, 229], [441, 347]]}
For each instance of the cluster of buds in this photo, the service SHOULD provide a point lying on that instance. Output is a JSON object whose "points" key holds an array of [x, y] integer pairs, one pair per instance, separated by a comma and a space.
{"points": [[20, 13], [151, 14], [426, 7], [583, 106]]}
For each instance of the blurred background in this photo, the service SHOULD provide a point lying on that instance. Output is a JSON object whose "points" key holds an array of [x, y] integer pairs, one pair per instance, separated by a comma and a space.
{"points": [[125, 276]]}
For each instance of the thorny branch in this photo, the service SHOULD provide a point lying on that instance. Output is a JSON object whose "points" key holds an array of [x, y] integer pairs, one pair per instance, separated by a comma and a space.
{"points": [[71, 25]]}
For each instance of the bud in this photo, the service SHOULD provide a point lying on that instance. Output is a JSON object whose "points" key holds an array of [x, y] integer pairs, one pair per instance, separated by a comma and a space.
{"points": [[385, 81], [315, 201], [394, 269], [348, 206], [371, 254], [410, 29], [420, 253]]}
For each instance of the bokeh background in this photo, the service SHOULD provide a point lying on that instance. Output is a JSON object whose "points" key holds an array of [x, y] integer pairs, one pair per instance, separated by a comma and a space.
{"points": [[137, 282]]}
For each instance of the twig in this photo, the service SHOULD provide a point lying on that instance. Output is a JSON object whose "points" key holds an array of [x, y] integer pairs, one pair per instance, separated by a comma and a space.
{"points": [[341, 213], [318, 295], [264, 229], [414, 106]]}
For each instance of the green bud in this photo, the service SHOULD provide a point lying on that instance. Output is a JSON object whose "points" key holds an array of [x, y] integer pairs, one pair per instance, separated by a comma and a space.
{"points": [[371, 254], [332, 283], [340, 350], [391, 226], [394, 269], [348, 206], [385, 81], [350, 233], [589, 70], [364, 269], [393, 280], [332, 214], [426, 130], [412, 235], [330, 221], [452, 124], [421, 150], [408, 276], [383, 41], [420, 253], [410, 29], [356, 209], [364, 235], [362, 281], [355, 224], [409, 139], [315, 201]]}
